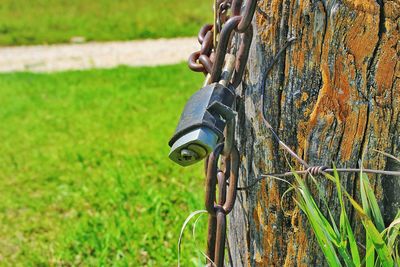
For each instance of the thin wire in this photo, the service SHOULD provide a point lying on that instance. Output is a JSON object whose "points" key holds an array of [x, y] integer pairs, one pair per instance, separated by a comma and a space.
{"points": [[310, 170], [215, 23], [229, 252], [267, 124], [322, 171]]}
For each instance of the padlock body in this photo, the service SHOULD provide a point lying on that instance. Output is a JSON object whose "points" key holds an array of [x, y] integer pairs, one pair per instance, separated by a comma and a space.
{"points": [[201, 141], [200, 127]]}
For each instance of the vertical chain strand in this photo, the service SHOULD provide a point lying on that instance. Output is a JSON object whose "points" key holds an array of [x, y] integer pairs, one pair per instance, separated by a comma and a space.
{"points": [[218, 210], [216, 42]]}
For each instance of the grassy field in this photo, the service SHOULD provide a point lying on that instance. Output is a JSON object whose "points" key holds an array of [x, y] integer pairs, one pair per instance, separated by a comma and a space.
{"points": [[84, 174], [57, 21]]}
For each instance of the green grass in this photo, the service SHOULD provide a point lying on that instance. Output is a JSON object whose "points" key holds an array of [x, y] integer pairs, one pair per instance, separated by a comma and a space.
{"points": [[57, 21], [338, 242], [84, 174]]}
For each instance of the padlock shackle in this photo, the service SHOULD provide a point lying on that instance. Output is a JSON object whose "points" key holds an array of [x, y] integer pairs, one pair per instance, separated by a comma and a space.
{"points": [[227, 71], [229, 115], [229, 136]]}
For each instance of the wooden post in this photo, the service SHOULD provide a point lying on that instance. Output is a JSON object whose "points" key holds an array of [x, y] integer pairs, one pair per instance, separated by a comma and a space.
{"points": [[333, 96]]}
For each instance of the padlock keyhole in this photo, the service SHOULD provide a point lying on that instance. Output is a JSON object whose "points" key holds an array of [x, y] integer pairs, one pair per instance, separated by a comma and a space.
{"points": [[188, 155]]}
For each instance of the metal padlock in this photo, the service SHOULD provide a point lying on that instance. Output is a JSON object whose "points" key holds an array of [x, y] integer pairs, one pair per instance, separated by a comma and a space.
{"points": [[201, 124]]}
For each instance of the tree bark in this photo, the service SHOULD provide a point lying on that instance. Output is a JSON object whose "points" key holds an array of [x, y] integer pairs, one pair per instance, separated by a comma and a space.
{"points": [[333, 96]]}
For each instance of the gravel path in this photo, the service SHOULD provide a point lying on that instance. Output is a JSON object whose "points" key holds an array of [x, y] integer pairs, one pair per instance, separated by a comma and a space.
{"points": [[96, 55]]}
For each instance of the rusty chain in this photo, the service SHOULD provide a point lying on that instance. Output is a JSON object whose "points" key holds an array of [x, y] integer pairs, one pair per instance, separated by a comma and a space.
{"points": [[219, 208], [210, 58], [232, 23]]}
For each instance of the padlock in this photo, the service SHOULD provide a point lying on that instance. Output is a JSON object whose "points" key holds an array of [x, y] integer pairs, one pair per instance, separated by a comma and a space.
{"points": [[202, 124]]}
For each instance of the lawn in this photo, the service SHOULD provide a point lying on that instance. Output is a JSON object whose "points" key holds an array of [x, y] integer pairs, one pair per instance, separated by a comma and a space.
{"points": [[84, 173], [57, 21]]}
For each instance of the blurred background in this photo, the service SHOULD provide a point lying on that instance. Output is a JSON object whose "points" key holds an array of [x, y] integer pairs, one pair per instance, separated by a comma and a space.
{"points": [[85, 178]]}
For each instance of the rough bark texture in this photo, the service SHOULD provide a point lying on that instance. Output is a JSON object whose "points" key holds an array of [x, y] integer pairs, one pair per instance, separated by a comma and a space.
{"points": [[334, 96]]}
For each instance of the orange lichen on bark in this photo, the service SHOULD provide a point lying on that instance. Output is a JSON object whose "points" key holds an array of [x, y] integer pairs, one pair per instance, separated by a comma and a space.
{"points": [[269, 237], [339, 92], [379, 124], [268, 30], [325, 103], [392, 11], [258, 217], [362, 37], [386, 65], [297, 241], [302, 242], [299, 63], [336, 98], [257, 213], [303, 43], [290, 251], [362, 121], [301, 100], [270, 200], [349, 114], [322, 99], [369, 6], [353, 130]]}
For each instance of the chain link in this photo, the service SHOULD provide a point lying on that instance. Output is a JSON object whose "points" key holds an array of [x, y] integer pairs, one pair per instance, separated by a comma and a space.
{"points": [[231, 22], [219, 208], [210, 59]]}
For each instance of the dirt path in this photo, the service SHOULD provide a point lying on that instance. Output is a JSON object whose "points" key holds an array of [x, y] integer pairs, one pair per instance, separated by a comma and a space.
{"points": [[96, 55]]}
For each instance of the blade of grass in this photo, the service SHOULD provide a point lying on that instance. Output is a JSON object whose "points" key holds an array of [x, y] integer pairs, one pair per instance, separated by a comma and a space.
{"points": [[188, 219], [321, 236], [376, 214], [374, 238], [315, 211], [326, 204], [369, 258], [379, 244], [345, 227], [282, 198], [341, 243], [324, 233], [393, 232]]}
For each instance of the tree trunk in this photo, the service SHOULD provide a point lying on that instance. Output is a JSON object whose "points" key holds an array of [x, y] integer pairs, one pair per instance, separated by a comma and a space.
{"points": [[333, 96]]}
